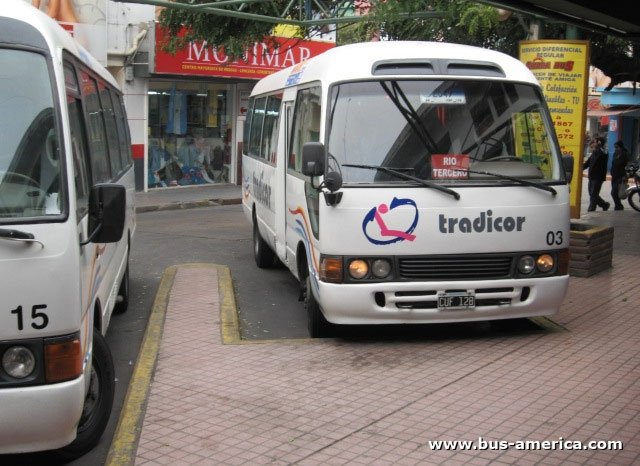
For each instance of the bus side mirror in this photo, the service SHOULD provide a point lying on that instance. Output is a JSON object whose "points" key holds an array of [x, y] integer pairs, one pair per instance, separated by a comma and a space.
{"points": [[107, 210], [567, 164], [313, 159]]}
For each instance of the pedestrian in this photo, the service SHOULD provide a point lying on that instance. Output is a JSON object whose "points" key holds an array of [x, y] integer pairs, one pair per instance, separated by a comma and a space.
{"points": [[618, 174], [597, 165]]}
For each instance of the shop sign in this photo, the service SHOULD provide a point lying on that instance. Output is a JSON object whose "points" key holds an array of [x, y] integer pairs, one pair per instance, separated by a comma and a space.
{"points": [[562, 68], [201, 59]]}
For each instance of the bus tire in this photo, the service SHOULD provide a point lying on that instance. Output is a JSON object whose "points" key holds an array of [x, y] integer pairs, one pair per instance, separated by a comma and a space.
{"points": [[98, 401], [122, 303], [318, 326], [262, 253]]}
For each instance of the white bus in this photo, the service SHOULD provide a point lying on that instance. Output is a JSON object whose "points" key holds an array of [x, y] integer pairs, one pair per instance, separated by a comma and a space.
{"points": [[66, 224], [409, 182]]}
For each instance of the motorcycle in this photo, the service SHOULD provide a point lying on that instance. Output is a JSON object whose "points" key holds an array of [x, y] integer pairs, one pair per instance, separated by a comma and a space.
{"points": [[633, 192]]}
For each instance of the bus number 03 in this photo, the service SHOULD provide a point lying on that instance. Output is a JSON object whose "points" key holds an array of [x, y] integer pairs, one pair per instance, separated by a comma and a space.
{"points": [[554, 237], [39, 318]]}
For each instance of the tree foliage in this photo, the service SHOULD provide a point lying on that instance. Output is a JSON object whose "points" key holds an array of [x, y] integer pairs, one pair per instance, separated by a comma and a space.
{"points": [[465, 22], [234, 34]]}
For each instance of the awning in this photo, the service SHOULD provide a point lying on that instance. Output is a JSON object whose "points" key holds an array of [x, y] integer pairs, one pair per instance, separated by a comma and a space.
{"points": [[613, 111]]}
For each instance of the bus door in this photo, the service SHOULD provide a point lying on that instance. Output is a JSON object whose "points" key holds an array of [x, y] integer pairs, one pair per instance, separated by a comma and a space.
{"points": [[281, 177]]}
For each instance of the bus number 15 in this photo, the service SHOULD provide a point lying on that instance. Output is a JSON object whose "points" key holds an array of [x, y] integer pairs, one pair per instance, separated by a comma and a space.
{"points": [[39, 319]]}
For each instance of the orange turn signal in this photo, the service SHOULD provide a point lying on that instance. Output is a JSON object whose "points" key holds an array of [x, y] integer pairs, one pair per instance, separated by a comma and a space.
{"points": [[331, 269], [63, 360]]}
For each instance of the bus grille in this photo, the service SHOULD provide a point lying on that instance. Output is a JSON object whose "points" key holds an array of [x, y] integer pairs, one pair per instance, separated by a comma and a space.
{"points": [[439, 268]]}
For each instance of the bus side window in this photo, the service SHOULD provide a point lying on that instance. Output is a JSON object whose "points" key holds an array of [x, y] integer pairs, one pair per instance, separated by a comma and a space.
{"points": [[100, 166], [270, 131], [123, 131], [247, 127], [306, 124], [257, 120], [78, 142], [112, 131]]}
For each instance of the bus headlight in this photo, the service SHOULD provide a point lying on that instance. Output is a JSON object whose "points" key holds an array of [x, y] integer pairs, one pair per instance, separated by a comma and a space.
{"points": [[381, 268], [526, 264], [18, 361], [545, 263], [358, 269]]}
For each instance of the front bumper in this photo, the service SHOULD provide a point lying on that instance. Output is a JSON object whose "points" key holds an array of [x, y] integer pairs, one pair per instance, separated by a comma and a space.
{"points": [[42, 417], [416, 302]]}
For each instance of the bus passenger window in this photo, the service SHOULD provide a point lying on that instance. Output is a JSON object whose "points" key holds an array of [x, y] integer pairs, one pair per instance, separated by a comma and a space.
{"points": [[306, 124]]}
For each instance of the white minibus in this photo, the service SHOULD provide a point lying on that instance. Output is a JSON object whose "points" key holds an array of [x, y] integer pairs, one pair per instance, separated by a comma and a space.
{"points": [[409, 182], [67, 220]]}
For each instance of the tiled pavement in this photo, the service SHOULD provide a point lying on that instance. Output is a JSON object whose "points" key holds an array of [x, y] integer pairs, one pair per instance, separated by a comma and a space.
{"points": [[379, 401]]}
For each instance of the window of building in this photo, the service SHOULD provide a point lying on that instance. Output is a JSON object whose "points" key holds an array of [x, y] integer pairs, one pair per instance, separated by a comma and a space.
{"points": [[189, 133]]}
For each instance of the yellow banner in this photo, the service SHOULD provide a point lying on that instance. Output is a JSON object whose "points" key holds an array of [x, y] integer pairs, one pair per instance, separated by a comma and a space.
{"points": [[562, 67]]}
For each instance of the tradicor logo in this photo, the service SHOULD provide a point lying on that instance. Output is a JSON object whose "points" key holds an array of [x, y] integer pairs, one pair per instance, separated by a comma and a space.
{"points": [[485, 222], [375, 226]]}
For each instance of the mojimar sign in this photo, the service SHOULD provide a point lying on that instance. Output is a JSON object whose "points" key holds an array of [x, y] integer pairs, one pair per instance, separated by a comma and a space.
{"points": [[199, 58]]}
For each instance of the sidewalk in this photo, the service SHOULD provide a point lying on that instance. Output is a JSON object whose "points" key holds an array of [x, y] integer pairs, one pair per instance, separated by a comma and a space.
{"points": [[184, 197], [201, 396]]}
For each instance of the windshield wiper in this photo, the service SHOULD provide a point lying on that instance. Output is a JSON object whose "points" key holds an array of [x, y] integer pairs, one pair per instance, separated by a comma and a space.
{"points": [[409, 113], [404, 176], [18, 235], [525, 182]]}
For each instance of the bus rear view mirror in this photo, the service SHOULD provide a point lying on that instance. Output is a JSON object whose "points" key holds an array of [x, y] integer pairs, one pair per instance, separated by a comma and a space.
{"points": [[313, 159], [107, 206], [567, 164]]}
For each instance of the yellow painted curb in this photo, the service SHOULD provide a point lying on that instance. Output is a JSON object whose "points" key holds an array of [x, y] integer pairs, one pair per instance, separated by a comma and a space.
{"points": [[125, 439], [229, 325]]}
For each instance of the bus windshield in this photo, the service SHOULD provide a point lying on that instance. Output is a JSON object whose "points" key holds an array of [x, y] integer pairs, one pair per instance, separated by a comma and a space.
{"points": [[30, 167], [452, 132]]}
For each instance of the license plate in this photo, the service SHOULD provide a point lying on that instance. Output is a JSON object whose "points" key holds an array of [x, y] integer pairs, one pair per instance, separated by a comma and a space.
{"points": [[454, 301]]}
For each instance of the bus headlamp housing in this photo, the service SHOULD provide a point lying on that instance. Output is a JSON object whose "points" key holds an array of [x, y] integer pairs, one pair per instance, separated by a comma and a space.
{"points": [[543, 263], [381, 268], [356, 269], [40, 361], [18, 362], [526, 264]]}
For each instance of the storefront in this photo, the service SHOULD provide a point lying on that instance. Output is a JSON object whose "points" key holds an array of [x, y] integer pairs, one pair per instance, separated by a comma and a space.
{"points": [[615, 115], [190, 133], [196, 101]]}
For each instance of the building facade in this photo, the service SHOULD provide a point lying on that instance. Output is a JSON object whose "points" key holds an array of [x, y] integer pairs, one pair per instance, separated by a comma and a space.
{"points": [[186, 110]]}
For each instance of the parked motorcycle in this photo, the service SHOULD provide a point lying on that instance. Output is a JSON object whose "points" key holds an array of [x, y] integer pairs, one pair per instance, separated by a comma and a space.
{"points": [[633, 192]]}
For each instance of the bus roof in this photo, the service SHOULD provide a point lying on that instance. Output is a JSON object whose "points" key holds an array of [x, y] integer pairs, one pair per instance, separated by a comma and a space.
{"points": [[54, 35], [399, 59]]}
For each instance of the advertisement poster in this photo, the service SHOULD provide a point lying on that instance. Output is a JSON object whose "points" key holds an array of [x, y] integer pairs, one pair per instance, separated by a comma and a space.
{"points": [[562, 67], [85, 20]]}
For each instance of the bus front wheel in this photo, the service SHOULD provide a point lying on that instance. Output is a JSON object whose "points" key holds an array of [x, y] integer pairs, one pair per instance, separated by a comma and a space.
{"points": [[98, 401], [318, 326]]}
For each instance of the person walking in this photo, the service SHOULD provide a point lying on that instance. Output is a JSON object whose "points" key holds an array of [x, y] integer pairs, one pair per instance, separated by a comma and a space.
{"points": [[618, 173], [597, 165]]}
